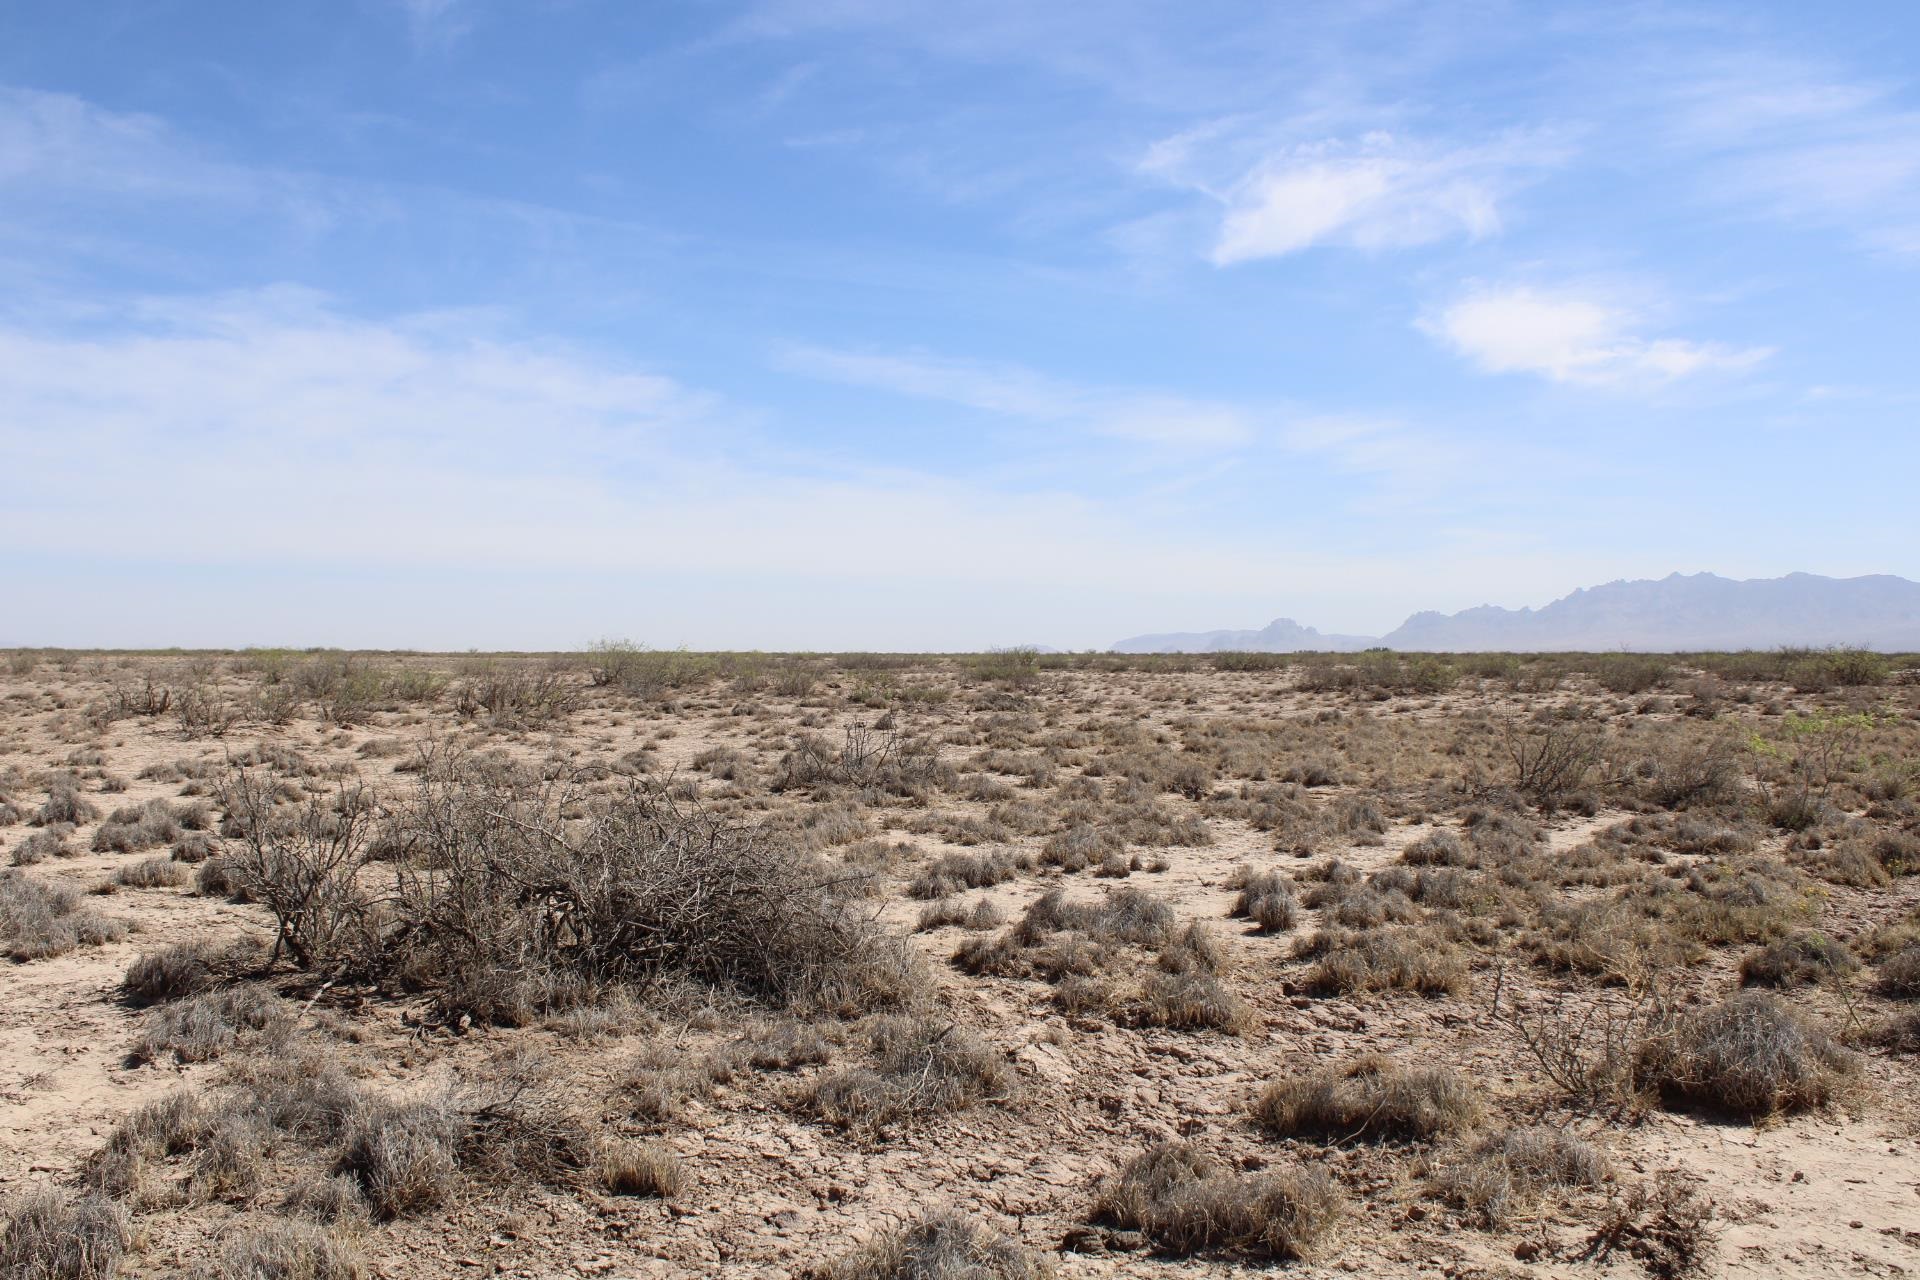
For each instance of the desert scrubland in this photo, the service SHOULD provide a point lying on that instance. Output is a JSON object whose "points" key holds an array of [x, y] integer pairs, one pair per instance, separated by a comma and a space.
{"points": [[640, 963]]}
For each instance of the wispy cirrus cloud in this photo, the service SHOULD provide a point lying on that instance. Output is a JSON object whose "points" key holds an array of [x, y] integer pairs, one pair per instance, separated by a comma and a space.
{"points": [[1804, 142], [1146, 416], [441, 446], [1378, 190], [1572, 336]]}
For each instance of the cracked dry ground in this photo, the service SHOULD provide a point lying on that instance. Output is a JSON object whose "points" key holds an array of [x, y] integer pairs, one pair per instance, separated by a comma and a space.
{"points": [[1437, 912]]}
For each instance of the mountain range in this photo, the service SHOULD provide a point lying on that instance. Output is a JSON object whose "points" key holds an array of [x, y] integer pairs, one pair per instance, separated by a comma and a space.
{"points": [[1676, 613]]}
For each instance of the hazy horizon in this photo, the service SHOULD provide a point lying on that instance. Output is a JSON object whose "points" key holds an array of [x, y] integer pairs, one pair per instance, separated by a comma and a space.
{"points": [[451, 324]]}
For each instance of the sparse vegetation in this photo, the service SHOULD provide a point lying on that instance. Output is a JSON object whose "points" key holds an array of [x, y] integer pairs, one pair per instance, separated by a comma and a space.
{"points": [[705, 888]]}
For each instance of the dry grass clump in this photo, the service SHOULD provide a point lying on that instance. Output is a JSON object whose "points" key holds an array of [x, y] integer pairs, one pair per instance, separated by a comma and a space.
{"points": [[1185, 990], [1437, 849], [786, 1045], [662, 1076], [133, 828], [1383, 959], [402, 1155], [184, 969], [136, 1162], [627, 1168], [953, 872], [1059, 937], [49, 842], [502, 1124], [47, 1234], [1081, 845], [952, 912], [1509, 1171], [65, 804], [944, 1245], [1900, 974], [153, 873], [922, 1067], [287, 1251], [1748, 1056], [202, 1027], [1185, 1201], [1266, 898], [1192, 1000], [39, 921], [1798, 960], [1369, 1099]]}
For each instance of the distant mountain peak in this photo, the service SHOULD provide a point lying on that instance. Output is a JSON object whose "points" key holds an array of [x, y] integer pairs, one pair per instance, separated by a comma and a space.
{"points": [[1676, 613]]}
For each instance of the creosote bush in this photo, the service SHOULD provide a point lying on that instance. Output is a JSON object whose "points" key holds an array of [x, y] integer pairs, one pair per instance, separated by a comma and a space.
{"points": [[1370, 1099], [523, 896], [1186, 1201]]}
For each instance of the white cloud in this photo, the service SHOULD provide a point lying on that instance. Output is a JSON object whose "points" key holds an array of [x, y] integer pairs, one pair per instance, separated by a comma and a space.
{"points": [[1379, 191], [1574, 337], [1145, 416], [267, 429]]}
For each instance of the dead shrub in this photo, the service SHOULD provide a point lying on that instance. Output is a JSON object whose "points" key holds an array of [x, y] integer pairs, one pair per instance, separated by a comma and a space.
{"points": [[1665, 1226], [1186, 1201], [304, 867], [944, 1245], [867, 760], [1552, 759], [525, 895], [48, 1234], [1749, 1056], [1369, 1099]]}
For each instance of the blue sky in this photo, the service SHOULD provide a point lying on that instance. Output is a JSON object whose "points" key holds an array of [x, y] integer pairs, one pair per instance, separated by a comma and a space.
{"points": [[850, 324]]}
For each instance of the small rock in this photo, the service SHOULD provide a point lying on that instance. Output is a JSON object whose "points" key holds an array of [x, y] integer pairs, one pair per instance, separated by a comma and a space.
{"points": [[1083, 1240]]}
